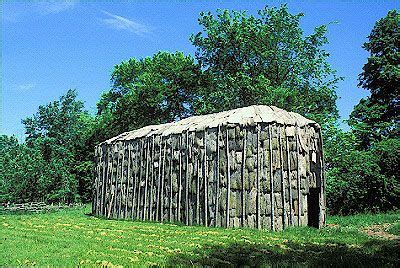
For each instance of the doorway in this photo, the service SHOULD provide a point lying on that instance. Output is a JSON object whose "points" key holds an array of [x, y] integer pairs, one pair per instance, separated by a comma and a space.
{"points": [[313, 207]]}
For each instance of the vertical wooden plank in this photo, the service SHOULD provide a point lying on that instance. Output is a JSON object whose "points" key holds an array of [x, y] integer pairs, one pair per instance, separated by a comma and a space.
{"points": [[298, 178], [139, 178], [114, 212], [217, 177], [242, 174], [135, 180], [258, 179], [264, 165], [152, 188], [198, 190], [105, 172], [271, 179], [282, 178], [111, 196], [289, 183], [159, 181], [170, 216], [121, 180], [205, 180], [162, 183], [228, 178], [128, 177], [187, 180], [180, 179], [114, 183], [147, 161]]}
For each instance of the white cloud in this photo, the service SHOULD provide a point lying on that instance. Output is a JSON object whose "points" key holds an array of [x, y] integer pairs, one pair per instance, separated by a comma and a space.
{"points": [[54, 6], [16, 11], [27, 86], [121, 23]]}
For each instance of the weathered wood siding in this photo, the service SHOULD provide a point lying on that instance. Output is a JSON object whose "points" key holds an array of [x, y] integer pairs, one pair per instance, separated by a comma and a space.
{"points": [[255, 176]]}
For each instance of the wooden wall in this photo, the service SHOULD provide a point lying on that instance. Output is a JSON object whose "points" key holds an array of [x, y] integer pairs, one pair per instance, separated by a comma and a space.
{"points": [[257, 176]]}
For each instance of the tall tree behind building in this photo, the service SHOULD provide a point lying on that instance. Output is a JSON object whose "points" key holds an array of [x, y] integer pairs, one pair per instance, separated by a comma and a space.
{"points": [[377, 116]]}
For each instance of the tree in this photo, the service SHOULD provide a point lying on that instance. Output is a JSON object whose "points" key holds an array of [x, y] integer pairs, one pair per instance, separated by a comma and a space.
{"points": [[364, 163], [21, 170], [152, 90], [377, 116], [361, 181], [264, 59], [60, 131]]}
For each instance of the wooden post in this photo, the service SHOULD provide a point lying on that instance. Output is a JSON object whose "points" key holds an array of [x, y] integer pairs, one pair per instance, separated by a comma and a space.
{"points": [[114, 213], [258, 178], [205, 181], [146, 180], [271, 179], [217, 175], [114, 209], [170, 180], [159, 181], [105, 172], [282, 179], [228, 178], [111, 198], [198, 190], [289, 183], [121, 179], [139, 179], [187, 180], [162, 183], [135, 181], [180, 180], [298, 179], [264, 172], [242, 174], [152, 188], [127, 179]]}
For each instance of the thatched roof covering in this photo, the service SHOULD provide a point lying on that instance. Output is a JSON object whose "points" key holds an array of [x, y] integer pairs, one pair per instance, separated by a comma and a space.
{"points": [[246, 116]]}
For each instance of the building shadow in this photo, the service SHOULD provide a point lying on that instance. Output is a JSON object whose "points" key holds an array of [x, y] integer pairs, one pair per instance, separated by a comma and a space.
{"points": [[374, 253]]}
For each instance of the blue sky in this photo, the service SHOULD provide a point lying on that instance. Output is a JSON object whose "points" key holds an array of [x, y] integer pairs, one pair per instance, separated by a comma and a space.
{"points": [[49, 47]]}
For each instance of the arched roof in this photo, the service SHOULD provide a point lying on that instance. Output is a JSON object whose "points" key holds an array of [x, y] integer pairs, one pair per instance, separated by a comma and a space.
{"points": [[246, 116]]}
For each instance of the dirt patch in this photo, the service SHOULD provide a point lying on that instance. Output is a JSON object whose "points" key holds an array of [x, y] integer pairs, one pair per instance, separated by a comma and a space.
{"points": [[333, 225], [380, 230]]}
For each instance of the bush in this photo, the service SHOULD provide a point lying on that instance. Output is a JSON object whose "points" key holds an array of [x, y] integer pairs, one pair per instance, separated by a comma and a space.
{"points": [[361, 181]]}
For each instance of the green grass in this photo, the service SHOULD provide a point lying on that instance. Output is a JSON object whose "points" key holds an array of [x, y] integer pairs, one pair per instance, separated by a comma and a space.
{"points": [[71, 238], [395, 229]]}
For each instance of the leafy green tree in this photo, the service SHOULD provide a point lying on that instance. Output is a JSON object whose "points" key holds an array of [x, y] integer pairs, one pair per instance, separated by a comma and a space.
{"points": [[60, 130], [377, 116], [21, 169], [152, 90], [364, 163], [264, 59], [361, 181]]}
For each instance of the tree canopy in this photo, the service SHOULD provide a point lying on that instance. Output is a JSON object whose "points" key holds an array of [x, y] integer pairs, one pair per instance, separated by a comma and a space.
{"points": [[377, 116], [265, 59], [153, 90]]}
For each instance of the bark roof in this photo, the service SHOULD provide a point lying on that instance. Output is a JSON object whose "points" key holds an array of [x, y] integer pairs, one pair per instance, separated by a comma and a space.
{"points": [[246, 116]]}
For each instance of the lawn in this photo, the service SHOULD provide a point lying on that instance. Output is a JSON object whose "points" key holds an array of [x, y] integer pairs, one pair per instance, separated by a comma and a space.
{"points": [[73, 237]]}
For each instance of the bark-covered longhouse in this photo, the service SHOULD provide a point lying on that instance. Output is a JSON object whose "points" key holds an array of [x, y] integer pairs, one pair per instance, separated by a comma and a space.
{"points": [[257, 166]]}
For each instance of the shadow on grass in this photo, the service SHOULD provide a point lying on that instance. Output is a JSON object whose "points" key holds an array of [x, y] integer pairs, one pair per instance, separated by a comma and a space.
{"points": [[375, 253]]}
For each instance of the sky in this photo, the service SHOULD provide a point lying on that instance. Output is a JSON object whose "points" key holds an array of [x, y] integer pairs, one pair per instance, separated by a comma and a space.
{"points": [[50, 47]]}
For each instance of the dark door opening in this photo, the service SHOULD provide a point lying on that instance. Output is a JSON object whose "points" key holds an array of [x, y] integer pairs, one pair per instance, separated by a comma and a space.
{"points": [[313, 207]]}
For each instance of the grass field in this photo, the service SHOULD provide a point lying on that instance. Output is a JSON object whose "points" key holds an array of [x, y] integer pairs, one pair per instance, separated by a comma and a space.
{"points": [[72, 238]]}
